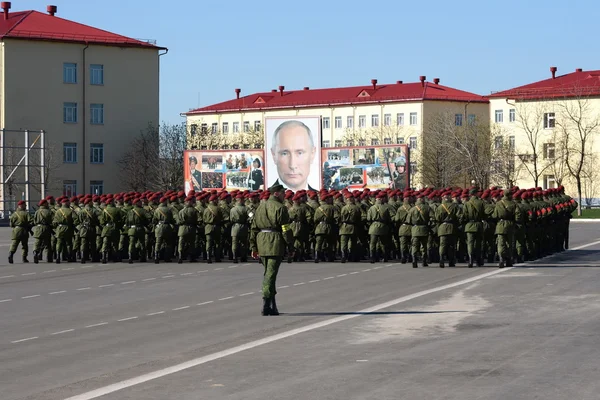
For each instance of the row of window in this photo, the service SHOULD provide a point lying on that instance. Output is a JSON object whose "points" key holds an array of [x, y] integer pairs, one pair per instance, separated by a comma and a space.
{"points": [[96, 73], [412, 142], [70, 153], [548, 152], [70, 188], [70, 113], [362, 121], [214, 128], [549, 121]]}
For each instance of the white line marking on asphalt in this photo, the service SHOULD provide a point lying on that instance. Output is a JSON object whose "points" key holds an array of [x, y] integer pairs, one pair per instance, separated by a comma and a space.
{"points": [[155, 313], [29, 273], [83, 288], [126, 319], [389, 265], [226, 298], [366, 270], [168, 276], [5, 300], [233, 266], [87, 266], [329, 277], [65, 331], [204, 270], [30, 297], [377, 268], [315, 280], [218, 269], [362, 360], [7, 276], [95, 325], [49, 271], [127, 283], [67, 269], [339, 276], [187, 273], [148, 279], [206, 302], [246, 294], [355, 272], [283, 287], [24, 340], [180, 308], [94, 394], [109, 285], [298, 284], [59, 292]]}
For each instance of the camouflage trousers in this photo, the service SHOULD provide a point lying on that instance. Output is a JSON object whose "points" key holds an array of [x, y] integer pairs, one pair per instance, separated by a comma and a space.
{"points": [[271, 269]]}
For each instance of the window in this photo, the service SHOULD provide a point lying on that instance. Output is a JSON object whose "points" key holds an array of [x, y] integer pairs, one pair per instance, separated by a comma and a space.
{"points": [[326, 143], [338, 143], [387, 140], [256, 126], [374, 142], [400, 119], [246, 126], [471, 119], [412, 142], [458, 119], [399, 140], [214, 128], [512, 115], [350, 143], [325, 123], [549, 182], [97, 187], [96, 74], [338, 122], [96, 114], [70, 73], [549, 151], [413, 118], [350, 122], [204, 129], [70, 153], [499, 116], [70, 113], [236, 127], [96, 153], [225, 127], [362, 121], [511, 142], [549, 120], [362, 142], [193, 129], [375, 120], [498, 142], [387, 119], [413, 167], [69, 188]]}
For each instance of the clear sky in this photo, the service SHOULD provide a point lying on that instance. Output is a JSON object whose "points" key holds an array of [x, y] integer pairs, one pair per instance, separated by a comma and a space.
{"points": [[217, 46]]}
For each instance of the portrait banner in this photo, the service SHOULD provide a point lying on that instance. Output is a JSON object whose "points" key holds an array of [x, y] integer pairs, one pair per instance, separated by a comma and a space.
{"points": [[293, 152]]}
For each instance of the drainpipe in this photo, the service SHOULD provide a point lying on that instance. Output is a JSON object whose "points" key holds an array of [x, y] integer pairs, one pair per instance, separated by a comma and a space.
{"points": [[84, 116]]}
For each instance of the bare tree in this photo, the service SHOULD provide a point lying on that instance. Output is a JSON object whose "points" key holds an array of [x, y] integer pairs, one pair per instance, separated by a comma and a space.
{"points": [[558, 161], [172, 140], [531, 118], [503, 171], [579, 123], [53, 161], [590, 179]]}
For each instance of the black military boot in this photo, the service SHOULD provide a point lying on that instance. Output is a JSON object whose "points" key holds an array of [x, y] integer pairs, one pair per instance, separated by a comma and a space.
{"points": [[501, 263], [104, 257], [344, 257], [274, 310], [130, 258], [425, 264], [36, 258], [58, 258], [266, 308], [83, 257], [414, 262], [25, 260], [470, 265], [442, 265], [179, 258], [156, 258], [317, 256], [235, 257]]}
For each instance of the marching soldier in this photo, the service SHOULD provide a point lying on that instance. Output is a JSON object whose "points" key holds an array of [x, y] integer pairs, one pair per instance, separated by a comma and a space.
{"points": [[88, 221], [270, 237], [238, 216], [324, 219], [21, 222], [188, 222], [65, 220], [42, 232], [447, 216], [300, 218], [473, 216], [419, 217], [380, 219], [213, 219], [504, 213], [112, 220], [350, 217], [137, 220], [164, 223], [404, 228]]}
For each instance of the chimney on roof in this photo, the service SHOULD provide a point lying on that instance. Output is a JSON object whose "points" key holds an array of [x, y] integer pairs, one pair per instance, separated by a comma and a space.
{"points": [[374, 83], [422, 79], [281, 89], [273, 90], [52, 10], [306, 88], [399, 82], [436, 81], [237, 93], [553, 70], [579, 70], [5, 6]]}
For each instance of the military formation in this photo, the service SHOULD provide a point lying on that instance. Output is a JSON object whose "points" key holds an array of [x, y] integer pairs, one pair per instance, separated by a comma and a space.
{"points": [[441, 226]]}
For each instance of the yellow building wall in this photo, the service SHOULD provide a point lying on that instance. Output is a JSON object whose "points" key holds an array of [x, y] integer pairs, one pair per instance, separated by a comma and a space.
{"points": [[34, 93]]}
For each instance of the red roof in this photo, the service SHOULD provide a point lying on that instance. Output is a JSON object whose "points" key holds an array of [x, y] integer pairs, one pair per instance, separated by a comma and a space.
{"points": [[387, 93], [574, 84], [34, 25]]}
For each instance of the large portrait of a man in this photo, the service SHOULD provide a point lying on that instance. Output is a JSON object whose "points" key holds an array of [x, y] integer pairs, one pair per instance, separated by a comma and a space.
{"points": [[293, 152]]}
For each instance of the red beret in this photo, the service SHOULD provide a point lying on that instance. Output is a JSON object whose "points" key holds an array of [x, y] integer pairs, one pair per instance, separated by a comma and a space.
{"points": [[65, 200], [214, 197], [43, 202], [173, 198], [21, 203]]}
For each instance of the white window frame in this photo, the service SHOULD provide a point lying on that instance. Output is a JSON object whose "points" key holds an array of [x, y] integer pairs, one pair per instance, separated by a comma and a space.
{"points": [[96, 153], [236, 127], [70, 188], [374, 120], [400, 119], [214, 128], [399, 140], [325, 123], [549, 120], [471, 118], [338, 122], [97, 74], [499, 116], [350, 122], [412, 142], [225, 127], [193, 129], [413, 167], [498, 142], [512, 115], [204, 129], [338, 143], [414, 120], [387, 140], [70, 73], [326, 143], [70, 153], [387, 119], [362, 121], [458, 119], [549, 150], [511, 142], [70, 113], [246, 126], [257, 126], [97, 114], [97, 187]]}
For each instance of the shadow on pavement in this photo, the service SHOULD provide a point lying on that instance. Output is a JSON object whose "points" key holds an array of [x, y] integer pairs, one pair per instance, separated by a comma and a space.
{"points": [[316, 314]]}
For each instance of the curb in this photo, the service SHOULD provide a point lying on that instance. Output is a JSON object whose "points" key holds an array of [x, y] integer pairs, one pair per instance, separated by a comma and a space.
{"points": [[585, 220]]}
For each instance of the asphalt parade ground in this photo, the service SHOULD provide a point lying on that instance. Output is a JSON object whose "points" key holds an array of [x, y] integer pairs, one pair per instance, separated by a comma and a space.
{"points": [[347, 331]]}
